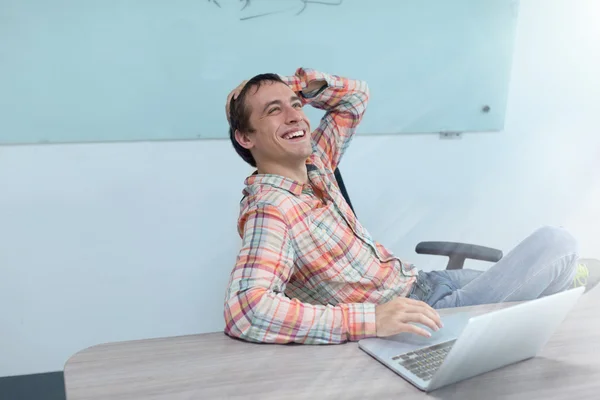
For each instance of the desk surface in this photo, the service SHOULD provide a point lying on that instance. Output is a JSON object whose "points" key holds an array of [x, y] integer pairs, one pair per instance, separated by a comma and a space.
{"points": [[214, 366]]}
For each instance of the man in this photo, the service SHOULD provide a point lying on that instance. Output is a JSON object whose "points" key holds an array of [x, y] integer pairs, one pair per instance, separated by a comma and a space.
{"points": [[308, 271]]}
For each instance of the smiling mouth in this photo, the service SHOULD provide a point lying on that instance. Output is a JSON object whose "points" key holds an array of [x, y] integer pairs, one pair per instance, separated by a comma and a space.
{"points": [[294, 135]]}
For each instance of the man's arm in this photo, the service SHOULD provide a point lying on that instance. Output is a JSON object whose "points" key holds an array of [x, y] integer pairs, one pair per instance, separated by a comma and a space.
{"points": [[256, 308], [344, 100]]}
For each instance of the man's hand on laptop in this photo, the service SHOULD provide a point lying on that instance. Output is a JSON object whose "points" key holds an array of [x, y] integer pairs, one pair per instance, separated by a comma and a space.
{"points": [[397, 316]]}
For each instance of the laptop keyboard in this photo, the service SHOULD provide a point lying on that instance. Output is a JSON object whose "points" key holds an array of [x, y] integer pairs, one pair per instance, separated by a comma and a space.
{"points": [[424, 362]]}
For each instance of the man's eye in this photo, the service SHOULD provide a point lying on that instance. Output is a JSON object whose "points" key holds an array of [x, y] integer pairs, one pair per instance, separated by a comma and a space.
{"points": [[298, 105], [272, 110]]}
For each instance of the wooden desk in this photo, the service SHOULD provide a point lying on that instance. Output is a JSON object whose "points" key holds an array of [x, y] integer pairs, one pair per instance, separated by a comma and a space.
{"points": [[214, 366]]}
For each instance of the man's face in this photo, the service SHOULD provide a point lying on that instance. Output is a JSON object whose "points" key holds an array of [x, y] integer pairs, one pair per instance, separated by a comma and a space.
{"points": [[281, 129]]}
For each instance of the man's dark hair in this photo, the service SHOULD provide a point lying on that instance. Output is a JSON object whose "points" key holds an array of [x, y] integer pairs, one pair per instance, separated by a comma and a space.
{"points": [[239, 113]]}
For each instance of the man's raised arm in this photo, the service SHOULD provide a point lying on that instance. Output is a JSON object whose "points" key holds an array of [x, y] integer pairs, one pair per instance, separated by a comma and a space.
{"points": [[256, 308], [344, 100]]}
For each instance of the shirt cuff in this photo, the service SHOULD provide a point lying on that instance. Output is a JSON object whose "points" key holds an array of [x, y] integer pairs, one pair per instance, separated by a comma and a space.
{"points": [[293, 82], [361, 321], [304, 76]]}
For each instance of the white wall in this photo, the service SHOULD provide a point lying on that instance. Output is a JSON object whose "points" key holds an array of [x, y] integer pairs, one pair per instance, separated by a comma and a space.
{"points": [[110, 242]]}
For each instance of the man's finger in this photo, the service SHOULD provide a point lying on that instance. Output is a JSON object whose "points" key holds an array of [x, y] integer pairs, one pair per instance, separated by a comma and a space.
{"points": [[432, 315], [233, 95], [238, 89], [422, 319], [228, 106], [419, 303], [414, 329]]}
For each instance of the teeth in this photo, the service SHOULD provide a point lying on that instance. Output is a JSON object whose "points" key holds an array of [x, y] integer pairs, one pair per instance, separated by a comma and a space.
{"points": [[294, 134]]}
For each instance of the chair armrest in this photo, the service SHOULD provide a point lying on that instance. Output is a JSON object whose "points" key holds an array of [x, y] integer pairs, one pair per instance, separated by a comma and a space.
{"points": [[459, 252]]}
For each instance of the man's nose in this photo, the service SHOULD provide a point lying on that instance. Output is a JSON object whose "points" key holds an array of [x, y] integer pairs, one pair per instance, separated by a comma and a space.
{"points": [[293, 115]]}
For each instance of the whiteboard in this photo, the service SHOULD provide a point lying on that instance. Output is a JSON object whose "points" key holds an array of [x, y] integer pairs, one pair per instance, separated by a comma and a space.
{"points": [[129, 70]]}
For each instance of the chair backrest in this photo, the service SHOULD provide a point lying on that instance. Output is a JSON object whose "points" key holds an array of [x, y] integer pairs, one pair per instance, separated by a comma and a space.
{"points": [[340, 182]]}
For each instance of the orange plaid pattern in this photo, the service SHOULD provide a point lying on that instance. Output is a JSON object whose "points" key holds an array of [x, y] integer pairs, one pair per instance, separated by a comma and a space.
{"points": [[308, 271]]}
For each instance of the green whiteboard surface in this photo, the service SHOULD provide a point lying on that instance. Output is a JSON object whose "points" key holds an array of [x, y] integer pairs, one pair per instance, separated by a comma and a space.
{"points": [[129, 70]]}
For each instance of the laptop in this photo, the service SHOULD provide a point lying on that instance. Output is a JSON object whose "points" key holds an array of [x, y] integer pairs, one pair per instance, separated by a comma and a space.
{"points": [[471, 345]]}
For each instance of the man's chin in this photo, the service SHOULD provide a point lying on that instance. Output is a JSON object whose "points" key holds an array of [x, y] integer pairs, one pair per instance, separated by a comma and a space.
{"points": [[307, 154], [299, 156]]}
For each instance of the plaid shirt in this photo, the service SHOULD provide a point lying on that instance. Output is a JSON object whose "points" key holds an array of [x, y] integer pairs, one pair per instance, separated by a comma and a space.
{"points": [[308, 271]]}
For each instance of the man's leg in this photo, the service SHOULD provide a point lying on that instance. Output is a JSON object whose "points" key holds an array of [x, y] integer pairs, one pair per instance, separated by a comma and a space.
{"points": [[543, 264]]}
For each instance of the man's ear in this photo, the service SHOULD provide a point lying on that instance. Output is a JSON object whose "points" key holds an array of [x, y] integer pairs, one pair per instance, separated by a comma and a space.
{"points": [[244, 139]]}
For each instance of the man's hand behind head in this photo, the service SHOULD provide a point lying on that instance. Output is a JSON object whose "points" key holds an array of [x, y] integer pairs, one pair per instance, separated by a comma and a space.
{"points": [[232, 96]]}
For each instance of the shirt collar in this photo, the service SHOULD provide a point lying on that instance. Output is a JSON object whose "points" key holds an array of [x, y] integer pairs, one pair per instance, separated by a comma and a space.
{"points": [[278, 181]]}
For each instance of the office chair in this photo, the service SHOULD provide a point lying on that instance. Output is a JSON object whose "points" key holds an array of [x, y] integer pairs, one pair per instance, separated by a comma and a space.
{"points": [[457, 253]]}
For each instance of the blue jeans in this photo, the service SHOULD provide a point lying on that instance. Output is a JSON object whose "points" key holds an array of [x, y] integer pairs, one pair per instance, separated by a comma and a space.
{"points": [[543, 264]]}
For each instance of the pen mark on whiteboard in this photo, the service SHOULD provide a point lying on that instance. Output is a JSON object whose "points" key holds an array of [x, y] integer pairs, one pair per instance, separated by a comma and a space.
{"points": [[247, 4], [325, 3], [263, 14]]}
